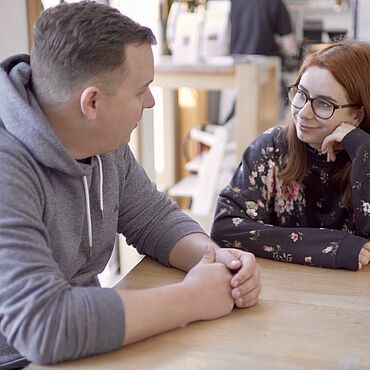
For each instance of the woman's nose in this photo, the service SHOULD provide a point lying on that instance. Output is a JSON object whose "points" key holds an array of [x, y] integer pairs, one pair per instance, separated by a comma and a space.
{"points": [[306, 111]]}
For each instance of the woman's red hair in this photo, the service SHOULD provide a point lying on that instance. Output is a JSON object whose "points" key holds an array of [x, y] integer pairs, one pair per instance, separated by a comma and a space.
{"points": [[349, 63]]}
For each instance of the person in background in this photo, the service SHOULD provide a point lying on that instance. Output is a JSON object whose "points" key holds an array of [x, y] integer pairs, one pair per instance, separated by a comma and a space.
{"points": [[69, 183], [264, 27], [261, 27], [301, 193]]}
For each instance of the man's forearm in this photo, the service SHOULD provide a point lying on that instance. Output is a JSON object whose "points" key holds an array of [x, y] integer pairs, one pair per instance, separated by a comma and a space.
{"points": [[288, 45], [189, 250], [153, 311], [204, 294]]}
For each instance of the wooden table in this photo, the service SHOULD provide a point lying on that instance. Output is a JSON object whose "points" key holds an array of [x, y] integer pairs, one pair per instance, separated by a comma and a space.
{"points": [[307, 318], [256, 80]]}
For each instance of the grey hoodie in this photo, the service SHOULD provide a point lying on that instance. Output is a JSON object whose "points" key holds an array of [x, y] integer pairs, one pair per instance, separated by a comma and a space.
{"points": [[58, 221]]}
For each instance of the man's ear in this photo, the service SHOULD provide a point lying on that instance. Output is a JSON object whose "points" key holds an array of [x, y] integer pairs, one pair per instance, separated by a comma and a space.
{"points": [[359, 115], [89, 101]]}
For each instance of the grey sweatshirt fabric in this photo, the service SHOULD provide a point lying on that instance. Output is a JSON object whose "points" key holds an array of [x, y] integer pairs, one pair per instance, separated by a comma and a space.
{"points": [[51, 305]]}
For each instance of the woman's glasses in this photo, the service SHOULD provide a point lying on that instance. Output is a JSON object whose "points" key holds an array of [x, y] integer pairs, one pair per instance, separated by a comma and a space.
{"points": [[321, 107]]}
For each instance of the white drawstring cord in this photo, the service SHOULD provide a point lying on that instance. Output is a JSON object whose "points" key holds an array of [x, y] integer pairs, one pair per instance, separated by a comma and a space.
{"points": [[87, 201], [88, 215], [100, 185]]}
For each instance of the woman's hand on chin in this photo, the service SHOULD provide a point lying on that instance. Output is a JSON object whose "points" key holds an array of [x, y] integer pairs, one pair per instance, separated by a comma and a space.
{"points": [[332, 142]]}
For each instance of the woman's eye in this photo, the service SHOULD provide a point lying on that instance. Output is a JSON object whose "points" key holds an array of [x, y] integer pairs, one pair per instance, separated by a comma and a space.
{"points": [[323, 104]]}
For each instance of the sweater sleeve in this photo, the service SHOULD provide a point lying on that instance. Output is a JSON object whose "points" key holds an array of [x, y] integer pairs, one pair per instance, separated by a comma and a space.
{"points": [[357, 145], [42, 315], [259, 213], [150, 221]]}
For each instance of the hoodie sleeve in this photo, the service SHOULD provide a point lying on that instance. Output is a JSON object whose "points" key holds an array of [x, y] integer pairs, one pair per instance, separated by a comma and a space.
{"points": [[246, 215], [41, 315], [150, 221]]}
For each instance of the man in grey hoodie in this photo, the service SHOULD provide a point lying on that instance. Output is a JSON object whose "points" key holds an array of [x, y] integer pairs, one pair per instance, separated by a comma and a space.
{"points": [[69, 183]]}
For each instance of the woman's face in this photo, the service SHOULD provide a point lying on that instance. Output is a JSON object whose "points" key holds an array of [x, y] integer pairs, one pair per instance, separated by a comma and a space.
{"points": [[319, 82]]}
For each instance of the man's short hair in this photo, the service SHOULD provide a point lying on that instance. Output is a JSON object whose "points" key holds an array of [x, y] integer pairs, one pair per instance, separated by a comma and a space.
{"points": [[78, 44]]}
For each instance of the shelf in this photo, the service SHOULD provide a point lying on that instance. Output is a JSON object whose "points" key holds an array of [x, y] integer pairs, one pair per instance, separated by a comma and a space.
{"points": [[229, 161], [184, 188], [202, 136], [194, 164]]}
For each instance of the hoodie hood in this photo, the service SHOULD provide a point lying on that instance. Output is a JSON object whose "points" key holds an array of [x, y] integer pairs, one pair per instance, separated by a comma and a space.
{"points": [[22, 117]]}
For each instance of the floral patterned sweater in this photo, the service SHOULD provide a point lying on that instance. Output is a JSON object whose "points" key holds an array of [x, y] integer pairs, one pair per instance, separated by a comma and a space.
{"points": [[295, 222]]}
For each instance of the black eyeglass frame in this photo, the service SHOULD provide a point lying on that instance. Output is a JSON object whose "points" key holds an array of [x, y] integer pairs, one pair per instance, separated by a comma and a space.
{"points": [[308, 98]]}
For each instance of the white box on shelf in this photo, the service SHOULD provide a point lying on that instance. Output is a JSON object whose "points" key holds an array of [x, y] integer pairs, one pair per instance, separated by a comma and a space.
{"points": [[186, 44]]}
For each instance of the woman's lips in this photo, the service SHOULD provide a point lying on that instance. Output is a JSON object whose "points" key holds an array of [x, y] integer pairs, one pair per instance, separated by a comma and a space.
{"points": [[306, 128]]}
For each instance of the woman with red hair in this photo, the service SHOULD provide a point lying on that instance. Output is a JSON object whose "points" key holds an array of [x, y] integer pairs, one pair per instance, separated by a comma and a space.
{"points": [[302, 191]]}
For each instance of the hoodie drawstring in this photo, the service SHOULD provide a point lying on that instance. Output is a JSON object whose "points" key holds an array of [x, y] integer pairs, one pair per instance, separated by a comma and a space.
{"points": [[88, 214], [100, 185], [87, 201]]}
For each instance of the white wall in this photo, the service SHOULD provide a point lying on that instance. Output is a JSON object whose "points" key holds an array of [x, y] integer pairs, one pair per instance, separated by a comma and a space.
{"points": [[146, 12], [13, 27]]}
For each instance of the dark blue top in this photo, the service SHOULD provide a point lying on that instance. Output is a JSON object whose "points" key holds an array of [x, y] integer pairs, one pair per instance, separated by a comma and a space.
{"points": [[254, 24]]}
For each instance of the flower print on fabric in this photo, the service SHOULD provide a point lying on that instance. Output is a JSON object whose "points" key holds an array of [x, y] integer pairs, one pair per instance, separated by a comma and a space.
{"points": [[324, 177], [254, 235], [251, 209], [302, 222], [365, 156], [288, 197], [332, 249], [237, 221], [296, 236], [365, 208], [278, 253]]}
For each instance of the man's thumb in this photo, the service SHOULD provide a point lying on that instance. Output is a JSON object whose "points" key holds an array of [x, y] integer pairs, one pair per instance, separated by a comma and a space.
{"points": [[209, 255]]}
